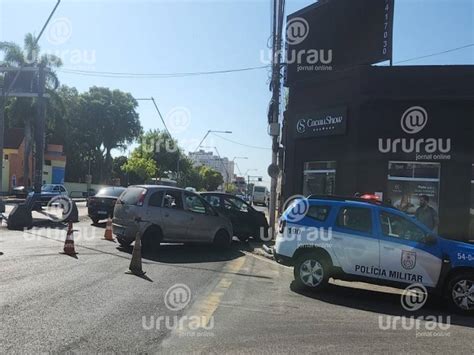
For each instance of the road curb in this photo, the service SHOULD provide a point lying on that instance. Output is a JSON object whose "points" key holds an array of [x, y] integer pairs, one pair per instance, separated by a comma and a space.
{"points": [[260, 249]]}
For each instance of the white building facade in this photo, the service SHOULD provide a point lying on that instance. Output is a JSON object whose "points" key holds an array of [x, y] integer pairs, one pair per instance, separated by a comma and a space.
{"points": [[220, 164]]}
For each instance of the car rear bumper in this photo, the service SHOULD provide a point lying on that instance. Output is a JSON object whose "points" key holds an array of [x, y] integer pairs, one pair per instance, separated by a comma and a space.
{"points": [[123, 232], [101, 212]]}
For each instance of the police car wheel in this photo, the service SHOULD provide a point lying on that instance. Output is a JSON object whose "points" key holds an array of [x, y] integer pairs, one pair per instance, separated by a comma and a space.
{"points": [[461, 293], [311, 271]]}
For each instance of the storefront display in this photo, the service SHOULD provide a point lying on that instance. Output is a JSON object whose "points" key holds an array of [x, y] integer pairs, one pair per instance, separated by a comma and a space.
{"points": [[319, 178], [408, 181]]}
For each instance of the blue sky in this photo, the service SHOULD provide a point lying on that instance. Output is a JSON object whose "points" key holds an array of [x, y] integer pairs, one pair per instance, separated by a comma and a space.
{"points": [[190, 36]]}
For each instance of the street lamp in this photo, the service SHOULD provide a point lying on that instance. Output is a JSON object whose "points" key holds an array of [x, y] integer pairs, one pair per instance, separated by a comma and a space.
{"points": [[152, 99], [207, 133]]}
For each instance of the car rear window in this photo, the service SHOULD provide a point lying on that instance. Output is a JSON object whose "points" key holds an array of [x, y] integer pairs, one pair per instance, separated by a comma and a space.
{"points": [[319, 213], [132, 195], [110, 191], [259, 189]]}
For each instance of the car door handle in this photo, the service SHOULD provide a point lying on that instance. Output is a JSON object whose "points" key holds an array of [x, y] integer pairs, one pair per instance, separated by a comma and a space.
{"points": [[167, 214], [389, 248]]}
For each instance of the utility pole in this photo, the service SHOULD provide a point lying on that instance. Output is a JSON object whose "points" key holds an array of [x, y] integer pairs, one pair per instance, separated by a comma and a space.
{"points": [[40, 130], [2, 134], [274, 119]]}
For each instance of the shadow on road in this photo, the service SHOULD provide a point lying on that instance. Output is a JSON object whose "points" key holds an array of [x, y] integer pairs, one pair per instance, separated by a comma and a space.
{"points": [[188, 253], [380, 302]]}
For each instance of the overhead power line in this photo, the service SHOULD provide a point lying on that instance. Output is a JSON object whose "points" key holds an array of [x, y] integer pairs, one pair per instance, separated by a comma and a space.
{"points": [[435, 54], [156, 75], [242, 144]]}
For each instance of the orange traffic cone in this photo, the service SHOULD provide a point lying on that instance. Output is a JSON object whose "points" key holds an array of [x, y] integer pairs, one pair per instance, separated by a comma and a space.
{"points": [[135, 267], [108, 230], [69, 243]]}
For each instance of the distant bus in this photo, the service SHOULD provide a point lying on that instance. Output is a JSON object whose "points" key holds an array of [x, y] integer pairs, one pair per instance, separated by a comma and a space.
{"points": [[260, 195], [162, 181]]}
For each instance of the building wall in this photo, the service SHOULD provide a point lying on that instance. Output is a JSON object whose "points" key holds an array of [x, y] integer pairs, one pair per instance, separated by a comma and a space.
{"points": [[222, 165], [14, 166], [375, 100]]}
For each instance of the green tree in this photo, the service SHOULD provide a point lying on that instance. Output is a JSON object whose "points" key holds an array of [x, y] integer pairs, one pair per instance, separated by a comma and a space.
{"points": [[230, 188], [145, 168], [189, 174], [211, 179], [111, 120], [21, 111]]}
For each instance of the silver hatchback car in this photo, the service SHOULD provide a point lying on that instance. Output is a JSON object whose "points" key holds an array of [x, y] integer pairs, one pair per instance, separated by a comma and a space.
{"points": [[167, 214]]}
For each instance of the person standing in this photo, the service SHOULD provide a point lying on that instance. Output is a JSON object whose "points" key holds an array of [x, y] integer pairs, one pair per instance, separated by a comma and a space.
{"points": [[427, 214]]}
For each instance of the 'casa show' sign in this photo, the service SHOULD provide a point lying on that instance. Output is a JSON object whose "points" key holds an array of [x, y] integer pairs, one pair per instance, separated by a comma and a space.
{"points": [[322, 123]]}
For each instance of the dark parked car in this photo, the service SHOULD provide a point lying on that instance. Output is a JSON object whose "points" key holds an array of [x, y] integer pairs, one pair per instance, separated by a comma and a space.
{"points": [[21, 191], [246, 220], [48, 192], [101, 206]]}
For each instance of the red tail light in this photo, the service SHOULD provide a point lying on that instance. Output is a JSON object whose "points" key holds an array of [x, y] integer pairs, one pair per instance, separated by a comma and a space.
{"points": [[141, 199]]}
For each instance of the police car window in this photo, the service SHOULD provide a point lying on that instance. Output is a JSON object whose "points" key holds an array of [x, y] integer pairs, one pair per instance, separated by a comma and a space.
{"points": [[319, 213], [155, 199], [356, 218], [398, 227]]}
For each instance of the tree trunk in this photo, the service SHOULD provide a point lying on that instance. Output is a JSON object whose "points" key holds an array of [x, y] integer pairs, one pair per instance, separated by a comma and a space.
{"points": [[108, 165], [27, 153]]}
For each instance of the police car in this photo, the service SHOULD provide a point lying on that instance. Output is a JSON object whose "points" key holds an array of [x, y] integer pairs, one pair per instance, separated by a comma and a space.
{"points": [[366, 240]]}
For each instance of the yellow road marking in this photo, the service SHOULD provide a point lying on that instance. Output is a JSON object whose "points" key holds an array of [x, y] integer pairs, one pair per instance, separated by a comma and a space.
{"points": [[205, 309]]}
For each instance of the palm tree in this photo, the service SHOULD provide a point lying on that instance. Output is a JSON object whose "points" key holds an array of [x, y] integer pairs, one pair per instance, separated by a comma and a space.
{"points": [[24, 108]]}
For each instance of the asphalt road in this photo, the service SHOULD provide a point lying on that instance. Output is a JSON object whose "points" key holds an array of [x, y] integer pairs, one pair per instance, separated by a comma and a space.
{"points": [[237, 303]]}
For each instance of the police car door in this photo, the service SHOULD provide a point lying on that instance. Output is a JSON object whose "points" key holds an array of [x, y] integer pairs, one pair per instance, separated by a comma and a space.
{"points": [[404, 253], [355, 242]]}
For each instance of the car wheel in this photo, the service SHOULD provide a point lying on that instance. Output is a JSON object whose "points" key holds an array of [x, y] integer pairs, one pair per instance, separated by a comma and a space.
{"points": [[152, 239], [461, 293], [311, 271], [222, 239]]}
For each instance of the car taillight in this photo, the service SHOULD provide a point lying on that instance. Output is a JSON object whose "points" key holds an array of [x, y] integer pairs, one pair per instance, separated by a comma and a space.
{"points": [[281, 225], [91, 201], [141, 199]]}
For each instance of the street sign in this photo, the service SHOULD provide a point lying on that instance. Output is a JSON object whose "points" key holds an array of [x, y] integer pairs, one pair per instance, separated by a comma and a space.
{"points": [[273, 170]]}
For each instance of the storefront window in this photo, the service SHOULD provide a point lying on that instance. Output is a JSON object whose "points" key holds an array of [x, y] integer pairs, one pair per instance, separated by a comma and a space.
{"points": [[319, 178], [407, 181], [471, 223]]}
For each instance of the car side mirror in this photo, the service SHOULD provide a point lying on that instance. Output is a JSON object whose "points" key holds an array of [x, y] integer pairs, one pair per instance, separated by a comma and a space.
{"points": [[430, 239]]}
